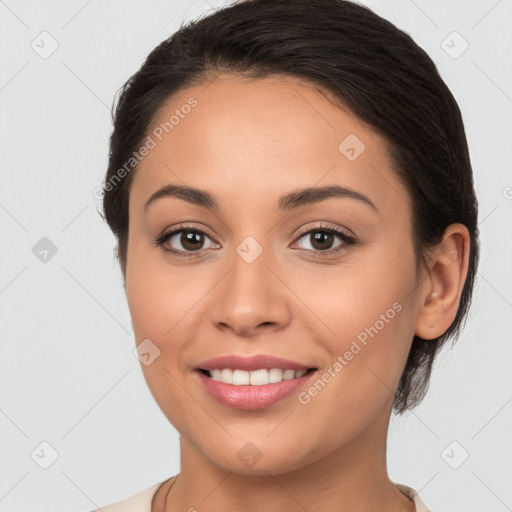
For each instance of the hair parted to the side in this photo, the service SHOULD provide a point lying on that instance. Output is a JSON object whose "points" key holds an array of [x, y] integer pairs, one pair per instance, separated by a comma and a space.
{"points": [[371, 67]]}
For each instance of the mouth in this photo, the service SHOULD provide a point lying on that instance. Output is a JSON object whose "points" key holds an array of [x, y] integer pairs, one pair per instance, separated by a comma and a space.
{"points": [[252, 390], [260, 377]]}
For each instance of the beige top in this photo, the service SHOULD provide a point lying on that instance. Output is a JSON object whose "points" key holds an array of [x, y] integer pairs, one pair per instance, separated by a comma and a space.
{"points": [[141, 502]]}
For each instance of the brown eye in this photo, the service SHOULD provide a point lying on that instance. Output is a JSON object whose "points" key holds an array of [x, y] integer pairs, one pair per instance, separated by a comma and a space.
{"points": [[191, 240], [323, 240], [184, 241]]}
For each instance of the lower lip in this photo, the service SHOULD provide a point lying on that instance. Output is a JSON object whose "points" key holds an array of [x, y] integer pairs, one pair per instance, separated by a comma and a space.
{"points": [[249, 397]]}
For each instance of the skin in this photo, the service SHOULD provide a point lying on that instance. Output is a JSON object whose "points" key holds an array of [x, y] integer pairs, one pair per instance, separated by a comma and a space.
{"points": [[248, 142]]}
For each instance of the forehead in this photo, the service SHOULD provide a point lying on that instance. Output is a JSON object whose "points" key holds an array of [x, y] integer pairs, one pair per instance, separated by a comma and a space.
{"points": [[245, 139]]}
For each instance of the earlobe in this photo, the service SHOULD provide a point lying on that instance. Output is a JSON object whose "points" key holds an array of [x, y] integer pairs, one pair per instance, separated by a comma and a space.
{"points": [[444, 282]]}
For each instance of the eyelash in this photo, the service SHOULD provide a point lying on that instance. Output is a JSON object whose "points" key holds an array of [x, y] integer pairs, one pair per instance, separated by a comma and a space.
{"points": [[347, 240]]}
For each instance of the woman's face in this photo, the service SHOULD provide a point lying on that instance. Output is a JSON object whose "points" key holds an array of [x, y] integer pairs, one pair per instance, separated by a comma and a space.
{"points": [[266, 278]]}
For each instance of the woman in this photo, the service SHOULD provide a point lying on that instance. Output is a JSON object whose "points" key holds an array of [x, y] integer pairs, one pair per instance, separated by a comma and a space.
{"points": [[291, 191]]}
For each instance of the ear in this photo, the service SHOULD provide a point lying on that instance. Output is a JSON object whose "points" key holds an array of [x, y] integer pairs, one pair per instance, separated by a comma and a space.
{"points": [[442, 286]]}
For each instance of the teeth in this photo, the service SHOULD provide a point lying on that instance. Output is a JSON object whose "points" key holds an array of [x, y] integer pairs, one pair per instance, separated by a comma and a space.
{"points": [[256, 377]]}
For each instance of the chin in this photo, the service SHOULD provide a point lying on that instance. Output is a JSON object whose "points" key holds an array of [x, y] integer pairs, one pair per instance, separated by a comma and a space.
{"points": [[249, 460]]}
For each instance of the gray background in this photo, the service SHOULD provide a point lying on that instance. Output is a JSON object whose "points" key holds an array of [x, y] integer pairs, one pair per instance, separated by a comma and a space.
{"points": [[67, 371]]}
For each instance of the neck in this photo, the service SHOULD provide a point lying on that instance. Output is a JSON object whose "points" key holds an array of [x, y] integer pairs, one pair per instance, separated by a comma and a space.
{"points": [[353, 478]]}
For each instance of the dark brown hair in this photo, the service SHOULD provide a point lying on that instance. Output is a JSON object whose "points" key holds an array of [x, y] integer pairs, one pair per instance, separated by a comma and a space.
{"points": [[373, 69]]}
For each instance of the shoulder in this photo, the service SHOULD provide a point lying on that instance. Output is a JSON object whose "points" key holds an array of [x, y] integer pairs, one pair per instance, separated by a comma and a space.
{"points": [[415, 497], [140, 502]]}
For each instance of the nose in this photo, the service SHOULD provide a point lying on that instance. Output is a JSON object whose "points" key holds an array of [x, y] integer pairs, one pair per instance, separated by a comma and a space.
{"points": [[251, 298]]}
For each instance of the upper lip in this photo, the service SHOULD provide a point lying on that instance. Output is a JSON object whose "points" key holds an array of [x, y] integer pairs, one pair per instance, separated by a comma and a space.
{"points": [[257, 362]]}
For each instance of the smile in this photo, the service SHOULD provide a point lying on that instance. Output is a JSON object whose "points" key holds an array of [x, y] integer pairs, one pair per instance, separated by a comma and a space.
{"points": [[247, 395], [259, 377]]}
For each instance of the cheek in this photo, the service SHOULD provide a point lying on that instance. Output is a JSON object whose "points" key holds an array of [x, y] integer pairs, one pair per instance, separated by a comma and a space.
{"points": [[161, 307], [369, 311], [154, 292], [353, 295], [166, 302]]}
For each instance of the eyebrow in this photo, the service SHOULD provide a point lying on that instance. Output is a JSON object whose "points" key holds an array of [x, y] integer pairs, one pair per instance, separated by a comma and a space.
{"points": [[287, 202]]}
